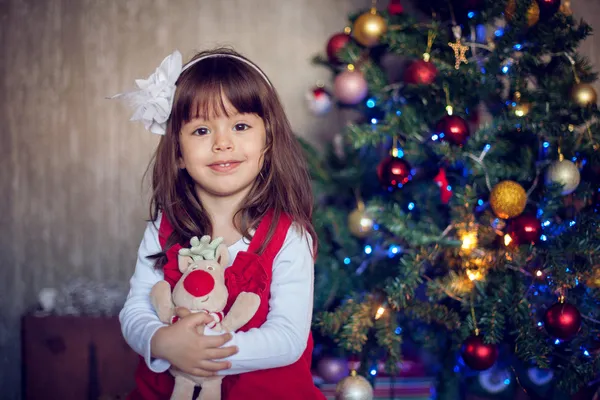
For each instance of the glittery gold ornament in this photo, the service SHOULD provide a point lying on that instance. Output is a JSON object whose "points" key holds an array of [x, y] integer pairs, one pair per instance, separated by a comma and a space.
{"points": [[565, 174], [368, 28], [584, 94], [508, 199], [353, 387], [359, 223], [533, 12], [460, 50]]}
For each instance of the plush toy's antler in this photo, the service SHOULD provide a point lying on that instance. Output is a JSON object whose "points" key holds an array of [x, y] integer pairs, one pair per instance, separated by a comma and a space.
{"points": [[202, 249]]}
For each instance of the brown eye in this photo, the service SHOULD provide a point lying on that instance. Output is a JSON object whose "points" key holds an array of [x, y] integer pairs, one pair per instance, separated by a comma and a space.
{"points": [[201, 132], [241, 127]]}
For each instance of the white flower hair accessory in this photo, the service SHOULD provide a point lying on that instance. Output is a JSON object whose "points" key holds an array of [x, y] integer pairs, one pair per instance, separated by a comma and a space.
{"points": [[153, 100]]}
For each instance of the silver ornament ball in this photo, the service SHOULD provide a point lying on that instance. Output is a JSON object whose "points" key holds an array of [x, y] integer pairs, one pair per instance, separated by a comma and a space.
{"points": [[318, 101], [563, 173], [354, 387]]}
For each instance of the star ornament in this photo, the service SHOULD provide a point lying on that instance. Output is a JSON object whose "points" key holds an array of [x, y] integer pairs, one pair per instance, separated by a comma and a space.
{"points": [[460, 50]]}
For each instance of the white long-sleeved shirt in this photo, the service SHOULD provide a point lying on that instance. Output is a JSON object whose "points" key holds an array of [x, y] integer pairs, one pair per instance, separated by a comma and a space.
{"points": [[280, 341]]}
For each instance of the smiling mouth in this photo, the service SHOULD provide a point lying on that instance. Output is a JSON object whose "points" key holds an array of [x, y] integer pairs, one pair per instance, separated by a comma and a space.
{"points": [[205, 300], [225, 167]]}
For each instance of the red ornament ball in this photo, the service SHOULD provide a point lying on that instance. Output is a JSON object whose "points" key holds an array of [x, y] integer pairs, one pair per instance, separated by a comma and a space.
{"points": [[479, 355], [453, 129], [393, 172], [562, 320], [395, 8], [525, 229], [350, 87], [420, 72], [548, 8], [335, 44]]}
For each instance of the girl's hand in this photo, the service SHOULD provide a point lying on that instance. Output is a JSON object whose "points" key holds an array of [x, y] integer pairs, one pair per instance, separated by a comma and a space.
{"points": [[189, 351]]}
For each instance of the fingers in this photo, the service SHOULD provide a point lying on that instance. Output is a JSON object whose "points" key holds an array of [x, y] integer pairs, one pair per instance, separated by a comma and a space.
{"points": [[199, 318], [202, 373], [182, 312], [207, 368], [221, 353], [213, 366], [217, 340], [194, 319], [196, 371]]}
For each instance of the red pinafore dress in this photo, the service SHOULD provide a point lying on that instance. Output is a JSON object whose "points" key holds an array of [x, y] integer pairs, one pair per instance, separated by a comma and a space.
{"points": [[249, 272]]}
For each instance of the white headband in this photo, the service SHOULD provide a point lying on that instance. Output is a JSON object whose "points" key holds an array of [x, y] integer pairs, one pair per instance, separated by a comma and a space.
{"points": [[153, 100]]}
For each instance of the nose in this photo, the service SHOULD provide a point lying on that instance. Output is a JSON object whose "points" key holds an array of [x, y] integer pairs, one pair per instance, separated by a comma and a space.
{"points": [[199, 283], [222, 142]]}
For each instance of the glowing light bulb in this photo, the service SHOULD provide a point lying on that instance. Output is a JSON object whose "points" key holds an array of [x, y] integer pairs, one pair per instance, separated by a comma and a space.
{"points": [[469, 241], [474, 275], [379, 312]]}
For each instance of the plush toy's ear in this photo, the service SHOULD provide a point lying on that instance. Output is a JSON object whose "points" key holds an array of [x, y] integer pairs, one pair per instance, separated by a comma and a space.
{"points": [[222, 255], [184, 263]]}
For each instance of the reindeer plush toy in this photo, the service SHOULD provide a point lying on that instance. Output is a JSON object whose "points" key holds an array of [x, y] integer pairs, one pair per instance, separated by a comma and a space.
{"points": [[202, 289]]}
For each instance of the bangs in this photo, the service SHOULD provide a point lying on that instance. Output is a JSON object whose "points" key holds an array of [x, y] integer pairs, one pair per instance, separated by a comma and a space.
{"points": [[205, 87]]}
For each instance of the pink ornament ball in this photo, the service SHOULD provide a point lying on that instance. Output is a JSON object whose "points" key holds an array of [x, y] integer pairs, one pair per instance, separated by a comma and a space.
{"points": [[350, 87], [332, 369]]}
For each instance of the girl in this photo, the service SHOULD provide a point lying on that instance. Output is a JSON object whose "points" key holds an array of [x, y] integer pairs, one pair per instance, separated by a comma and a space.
{"points": [[227, 165]]}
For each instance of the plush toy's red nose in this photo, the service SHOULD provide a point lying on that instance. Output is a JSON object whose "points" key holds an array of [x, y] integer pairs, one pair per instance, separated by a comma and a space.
{"points": [[199, 283]]}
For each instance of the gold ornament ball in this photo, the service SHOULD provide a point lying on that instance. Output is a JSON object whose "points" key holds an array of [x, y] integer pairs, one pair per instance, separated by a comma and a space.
{"points": [[508, 199], [565, 7], [533, 12], [563, 173], [353, 387], [359, 223], [584, 94], [368, 28], [594, 280]]}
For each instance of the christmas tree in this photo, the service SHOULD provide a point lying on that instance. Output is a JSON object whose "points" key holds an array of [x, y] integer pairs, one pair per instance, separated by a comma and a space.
{"points": [[459, 214]]}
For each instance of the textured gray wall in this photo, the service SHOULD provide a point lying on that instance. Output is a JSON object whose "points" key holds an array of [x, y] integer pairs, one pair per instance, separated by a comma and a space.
{"points": [[71, 165]]}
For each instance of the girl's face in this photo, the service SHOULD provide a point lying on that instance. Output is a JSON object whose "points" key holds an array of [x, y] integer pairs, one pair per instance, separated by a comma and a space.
{"points": [[223, 154]]}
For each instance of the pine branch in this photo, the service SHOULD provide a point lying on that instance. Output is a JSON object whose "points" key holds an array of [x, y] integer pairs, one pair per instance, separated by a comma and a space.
{"points": [[433, 313], [390, 341], [403, 226]]}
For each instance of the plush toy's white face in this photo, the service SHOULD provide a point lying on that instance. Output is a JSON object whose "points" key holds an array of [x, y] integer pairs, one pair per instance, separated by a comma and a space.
{"points": [[202, 286]]}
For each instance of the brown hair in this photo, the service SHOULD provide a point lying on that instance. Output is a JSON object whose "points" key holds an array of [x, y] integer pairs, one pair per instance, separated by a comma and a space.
{"points": [[284, 182]]}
